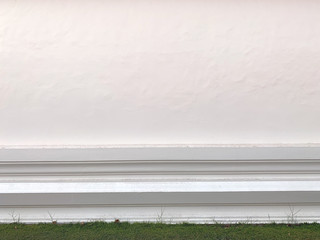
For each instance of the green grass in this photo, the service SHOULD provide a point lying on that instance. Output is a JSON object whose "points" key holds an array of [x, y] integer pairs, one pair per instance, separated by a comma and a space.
{"points": [[141, 231]]}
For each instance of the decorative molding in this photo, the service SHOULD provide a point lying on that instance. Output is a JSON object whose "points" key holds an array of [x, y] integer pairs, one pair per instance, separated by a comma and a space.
{"points": [[196, 183]]}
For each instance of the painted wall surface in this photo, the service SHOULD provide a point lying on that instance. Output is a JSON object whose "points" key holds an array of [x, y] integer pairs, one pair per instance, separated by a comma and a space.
{"points": [[159, 71]]}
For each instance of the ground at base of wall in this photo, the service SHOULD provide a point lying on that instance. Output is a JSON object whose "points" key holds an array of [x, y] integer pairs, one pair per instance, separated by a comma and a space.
{"points": [[118, 230]]}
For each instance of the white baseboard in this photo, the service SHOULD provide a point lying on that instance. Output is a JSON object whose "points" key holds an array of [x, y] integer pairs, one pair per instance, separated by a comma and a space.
{"points": [[160, 183]]}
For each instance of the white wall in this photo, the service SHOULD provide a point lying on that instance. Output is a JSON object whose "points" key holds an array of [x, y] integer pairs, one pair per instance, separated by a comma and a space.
{"points": [[159, 71]]}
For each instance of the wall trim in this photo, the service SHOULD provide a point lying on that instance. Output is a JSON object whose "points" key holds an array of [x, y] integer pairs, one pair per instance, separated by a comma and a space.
{"points": [[193, 183]]}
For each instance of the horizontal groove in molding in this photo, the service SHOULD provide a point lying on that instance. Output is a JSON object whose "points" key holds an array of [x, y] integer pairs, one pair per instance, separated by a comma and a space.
{"points": [[159, 199], [166, 167], [159, 153]]}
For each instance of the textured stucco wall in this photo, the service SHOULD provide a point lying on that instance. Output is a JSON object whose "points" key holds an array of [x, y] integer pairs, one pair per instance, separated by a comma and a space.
{"points": [[159, 71]]}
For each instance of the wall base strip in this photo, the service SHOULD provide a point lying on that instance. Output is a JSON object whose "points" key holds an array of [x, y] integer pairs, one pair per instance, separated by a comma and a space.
{"points": [[201, 184]]}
